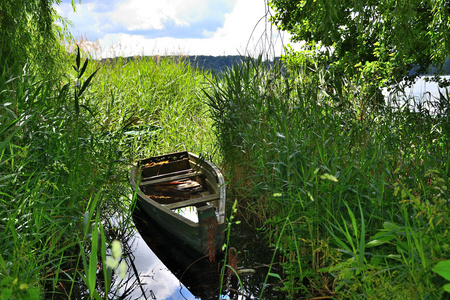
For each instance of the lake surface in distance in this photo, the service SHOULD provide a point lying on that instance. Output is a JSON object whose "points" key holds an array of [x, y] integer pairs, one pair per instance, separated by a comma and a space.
{"points": [[421, 92]]}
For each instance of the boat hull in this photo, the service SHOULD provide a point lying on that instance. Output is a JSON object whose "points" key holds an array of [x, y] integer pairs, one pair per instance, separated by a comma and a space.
{"points": [[157, 182]]}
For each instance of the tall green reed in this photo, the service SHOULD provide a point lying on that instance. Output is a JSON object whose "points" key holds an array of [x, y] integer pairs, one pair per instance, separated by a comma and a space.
{"points": [[309, 137], [68, 141], [49, 169], [161, 95]]}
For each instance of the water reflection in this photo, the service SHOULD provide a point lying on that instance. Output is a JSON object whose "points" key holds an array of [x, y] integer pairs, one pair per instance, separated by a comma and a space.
{"points": [[171, 270]]}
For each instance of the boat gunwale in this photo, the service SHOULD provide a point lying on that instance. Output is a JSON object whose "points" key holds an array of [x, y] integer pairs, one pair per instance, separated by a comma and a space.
{"points": [[135, 182]]}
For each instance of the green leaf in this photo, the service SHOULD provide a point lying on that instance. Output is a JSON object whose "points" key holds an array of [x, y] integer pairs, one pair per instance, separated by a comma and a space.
{"points": [[93, 204], [281, 136], [362, 241], [86, 83], [86, 221], [6, 294], [97, 296], [63, 92], [77, 104], [353, 219], [447, 287], [5, 281], [92, 278], [2, 263], [380, 241], [78, 59], [103, 254], [83, 259], [33, 293], [329, 177], [275, 275], [83, 69], [339, 241], [4, 143], [443, 269], [384, 236], [388, 226]]}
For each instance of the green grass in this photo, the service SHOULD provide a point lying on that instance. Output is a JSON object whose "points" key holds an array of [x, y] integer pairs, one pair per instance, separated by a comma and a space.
{"points": [[165, 94], [323, 171], [66, 149], [353, 197]]}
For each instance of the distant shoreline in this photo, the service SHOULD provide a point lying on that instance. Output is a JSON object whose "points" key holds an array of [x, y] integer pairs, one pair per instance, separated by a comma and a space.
{"points": [[220, 63]]}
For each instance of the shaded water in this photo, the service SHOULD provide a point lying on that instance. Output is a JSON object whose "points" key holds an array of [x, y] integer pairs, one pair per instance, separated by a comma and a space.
{"points": [[170, 270]]}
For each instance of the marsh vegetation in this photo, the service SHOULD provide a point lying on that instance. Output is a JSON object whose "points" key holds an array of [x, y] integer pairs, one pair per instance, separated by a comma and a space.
{"points": [[350, 194]]}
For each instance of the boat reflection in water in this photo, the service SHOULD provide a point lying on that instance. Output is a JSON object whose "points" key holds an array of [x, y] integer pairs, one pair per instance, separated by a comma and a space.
{"points": [[193, 277]]}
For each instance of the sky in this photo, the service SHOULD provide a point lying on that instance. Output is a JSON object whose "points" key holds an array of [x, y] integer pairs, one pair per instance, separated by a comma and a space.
{"points": [[190, 27]]}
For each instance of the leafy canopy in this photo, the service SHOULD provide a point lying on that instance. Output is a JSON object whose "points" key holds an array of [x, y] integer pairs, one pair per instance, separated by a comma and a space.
{"points": [[382, 39], [28, 34]]}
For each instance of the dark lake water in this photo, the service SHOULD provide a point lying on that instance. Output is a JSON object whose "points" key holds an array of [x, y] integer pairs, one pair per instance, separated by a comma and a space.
{"points": [[161, 268]]}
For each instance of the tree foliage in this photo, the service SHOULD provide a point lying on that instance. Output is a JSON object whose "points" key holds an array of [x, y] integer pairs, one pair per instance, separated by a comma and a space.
{"points": [[29, 34], [381, 39]]}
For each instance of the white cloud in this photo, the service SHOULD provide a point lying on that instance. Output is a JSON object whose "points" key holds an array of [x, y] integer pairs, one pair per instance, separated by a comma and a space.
{"points": [[244, 27], [144, 14], [193, 27], [154, 275]]}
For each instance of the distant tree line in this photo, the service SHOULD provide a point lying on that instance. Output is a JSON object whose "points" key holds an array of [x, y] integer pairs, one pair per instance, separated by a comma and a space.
{"points": [[206, 63], [219, 64], [215, 64], [437, 70]]}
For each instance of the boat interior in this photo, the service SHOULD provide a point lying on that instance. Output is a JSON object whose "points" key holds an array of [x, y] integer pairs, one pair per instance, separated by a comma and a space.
{"points": [[176, 181]]}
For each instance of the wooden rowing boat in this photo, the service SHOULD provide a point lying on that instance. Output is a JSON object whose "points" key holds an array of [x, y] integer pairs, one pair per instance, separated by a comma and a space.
{"points": [[166, 184]]}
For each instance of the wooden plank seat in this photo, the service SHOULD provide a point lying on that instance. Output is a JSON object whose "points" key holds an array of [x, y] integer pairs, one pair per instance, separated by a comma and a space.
{"points": [[170, 178], [192, 202], [164, 175]]}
